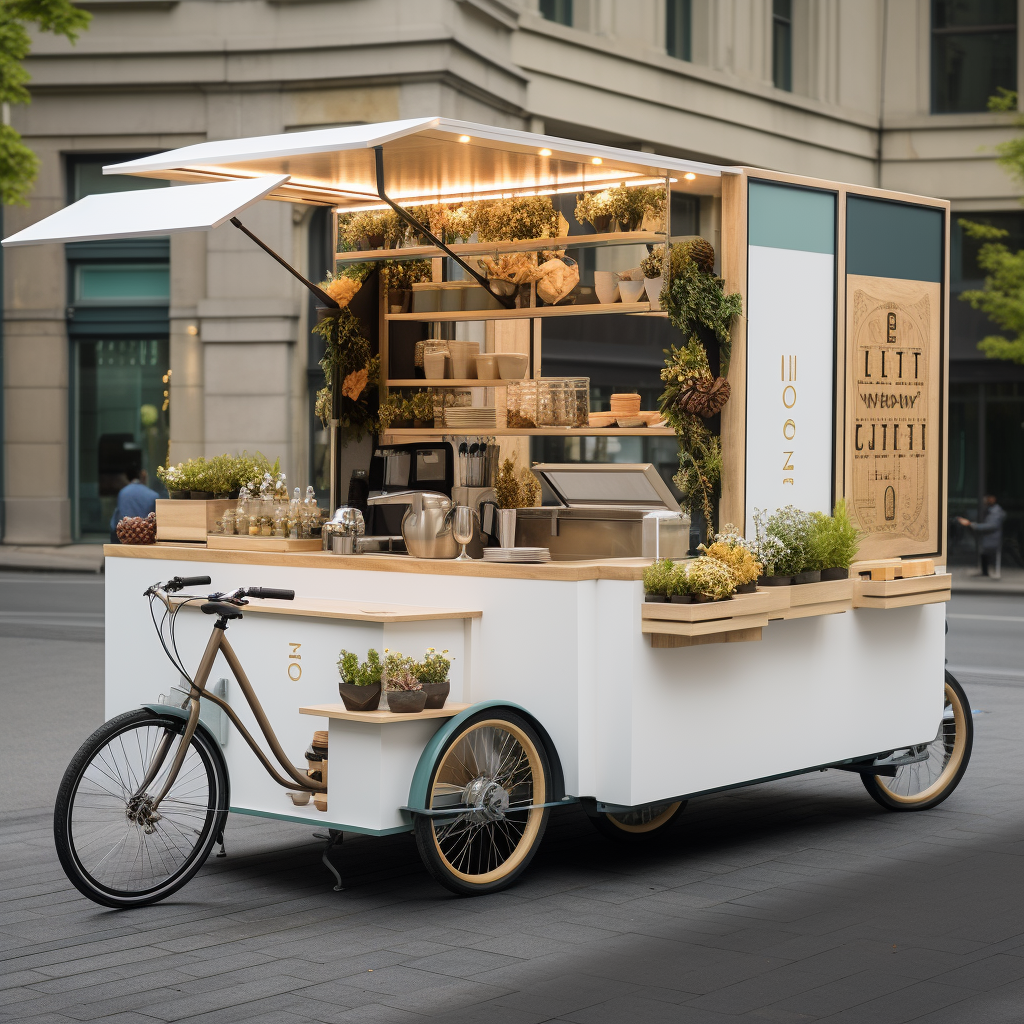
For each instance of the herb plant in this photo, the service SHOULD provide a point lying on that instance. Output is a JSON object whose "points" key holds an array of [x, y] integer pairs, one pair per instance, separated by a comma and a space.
{"points": [[733, 551], [358, 673], [658, 577], [834, 539], [433, 669], [712, 578], [398, 672]]}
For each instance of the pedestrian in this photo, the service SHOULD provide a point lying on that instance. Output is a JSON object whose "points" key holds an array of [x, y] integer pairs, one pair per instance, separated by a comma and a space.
{"points": [[991, 532], [134, 499]]}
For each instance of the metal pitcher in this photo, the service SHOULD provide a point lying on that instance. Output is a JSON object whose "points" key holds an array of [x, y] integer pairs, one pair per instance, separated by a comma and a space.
{"points": [[426, 525]]}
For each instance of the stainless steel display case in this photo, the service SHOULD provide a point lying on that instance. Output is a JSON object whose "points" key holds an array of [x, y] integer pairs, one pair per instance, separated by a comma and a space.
{"points": [[604, 511]]}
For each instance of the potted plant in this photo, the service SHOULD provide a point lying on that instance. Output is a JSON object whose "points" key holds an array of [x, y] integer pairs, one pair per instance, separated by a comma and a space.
{"points": [[733, 550], [515, 219], [172, 479], [432, 673], [402, 689], [372, 229], [784, 546], [390, 412], [834, 542], [658, 581], [653, 265], [360, 681], [710, 579], [631, 204], [595, 209], [680, 587], [421, 408], [514, 488]]}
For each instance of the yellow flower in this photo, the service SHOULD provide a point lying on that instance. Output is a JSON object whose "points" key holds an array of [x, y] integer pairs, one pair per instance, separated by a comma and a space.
{"points": [[353, 385], [341, 289]]}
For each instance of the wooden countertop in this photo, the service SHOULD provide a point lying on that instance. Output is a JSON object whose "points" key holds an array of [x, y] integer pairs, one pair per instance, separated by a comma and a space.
{"points": [[355, 611], [598, 569]]}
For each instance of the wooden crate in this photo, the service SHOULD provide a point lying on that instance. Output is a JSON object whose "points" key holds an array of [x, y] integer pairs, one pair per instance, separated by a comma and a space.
{"points": [[715, 622], [903, 592], [189, 520], [229, 542]]}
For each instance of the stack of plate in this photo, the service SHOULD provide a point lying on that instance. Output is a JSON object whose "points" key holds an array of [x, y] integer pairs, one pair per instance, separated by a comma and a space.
{"points": [[467, 418], [517, 554]]}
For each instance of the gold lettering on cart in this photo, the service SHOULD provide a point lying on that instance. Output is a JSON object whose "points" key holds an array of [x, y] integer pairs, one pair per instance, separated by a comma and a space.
{"points": [[294, 668], [788, 378]]}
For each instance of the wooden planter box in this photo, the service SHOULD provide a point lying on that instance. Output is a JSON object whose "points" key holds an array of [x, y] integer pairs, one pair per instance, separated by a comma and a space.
{"points": [[903, 592], [189, 520], [716, 622]]}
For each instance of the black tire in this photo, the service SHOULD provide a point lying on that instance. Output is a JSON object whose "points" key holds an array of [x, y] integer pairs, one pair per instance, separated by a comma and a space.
{"points": [[640, 825], [918, 787], [486, 850], [112, 858]]}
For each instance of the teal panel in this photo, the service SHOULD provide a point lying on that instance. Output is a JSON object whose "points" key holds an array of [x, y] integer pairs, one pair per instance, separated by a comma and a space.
{"points": [[888, 239], [787, 217], [122, 282]]}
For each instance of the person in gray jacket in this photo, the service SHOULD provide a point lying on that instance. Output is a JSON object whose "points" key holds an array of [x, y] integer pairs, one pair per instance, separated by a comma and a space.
{"points": [[991, 532]]}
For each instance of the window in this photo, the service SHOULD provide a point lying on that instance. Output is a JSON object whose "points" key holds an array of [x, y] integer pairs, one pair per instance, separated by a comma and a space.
{"points": [[557, 10], [679, 29], [974, 53], [118, 298], [782, 44]]}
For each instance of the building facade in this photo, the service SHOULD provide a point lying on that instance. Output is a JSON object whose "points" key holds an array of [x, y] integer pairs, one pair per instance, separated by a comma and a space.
{"points": [[116, 352]]}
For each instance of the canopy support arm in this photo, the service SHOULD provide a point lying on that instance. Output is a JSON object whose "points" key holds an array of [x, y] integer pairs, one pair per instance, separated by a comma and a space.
{"points": [[318, 292], [378, 152]]}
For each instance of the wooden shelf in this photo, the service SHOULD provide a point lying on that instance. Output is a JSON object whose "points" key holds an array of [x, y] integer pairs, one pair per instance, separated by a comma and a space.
{"points": [[452, 382], [352, 611], [809, 599], [740, 619], [902, 593], [526, 313], [423, 252], [380, 717], [415, 433]]}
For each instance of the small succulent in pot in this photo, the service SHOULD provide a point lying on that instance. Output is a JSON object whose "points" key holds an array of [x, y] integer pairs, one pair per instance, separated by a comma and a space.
{"points": [[432, 673], [658, 580], [404, 693], [711, 579]]}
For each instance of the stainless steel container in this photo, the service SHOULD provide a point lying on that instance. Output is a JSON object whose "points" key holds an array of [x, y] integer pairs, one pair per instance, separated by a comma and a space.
{"points": [[604, 511], [340, 533]]}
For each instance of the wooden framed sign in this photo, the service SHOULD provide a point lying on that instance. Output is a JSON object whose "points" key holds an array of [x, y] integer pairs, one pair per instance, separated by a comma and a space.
{"points": [[895, 376]]}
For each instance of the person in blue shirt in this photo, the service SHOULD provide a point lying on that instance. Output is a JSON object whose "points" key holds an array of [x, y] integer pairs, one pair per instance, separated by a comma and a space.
{"points": [[135, 499]]}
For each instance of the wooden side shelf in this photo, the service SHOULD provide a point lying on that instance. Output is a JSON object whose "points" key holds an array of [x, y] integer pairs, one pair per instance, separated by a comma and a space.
{"points": [[339, 711], [828, 598], [716, 622], [354, 611], [412, 433], [902, 593]]}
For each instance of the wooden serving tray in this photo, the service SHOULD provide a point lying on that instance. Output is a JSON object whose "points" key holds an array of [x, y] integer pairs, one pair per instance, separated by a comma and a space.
{"points": [[229, 542]]}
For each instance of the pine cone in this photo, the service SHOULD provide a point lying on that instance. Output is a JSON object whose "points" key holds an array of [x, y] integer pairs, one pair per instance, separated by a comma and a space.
{"points": [[701, 252], [137, 530], [704, 396]]}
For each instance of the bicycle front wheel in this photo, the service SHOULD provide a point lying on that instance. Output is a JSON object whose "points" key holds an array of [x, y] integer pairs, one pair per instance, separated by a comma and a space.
{"points": [[112, 845]]}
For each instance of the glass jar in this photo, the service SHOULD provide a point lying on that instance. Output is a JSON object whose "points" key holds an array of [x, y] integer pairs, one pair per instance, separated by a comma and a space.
{"points": [[548, 402]]}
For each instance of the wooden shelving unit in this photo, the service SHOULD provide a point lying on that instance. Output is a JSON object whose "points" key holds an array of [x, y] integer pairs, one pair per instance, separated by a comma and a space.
{"points": [[424, 252], [426, 433], [526, 313], [451, 382]]}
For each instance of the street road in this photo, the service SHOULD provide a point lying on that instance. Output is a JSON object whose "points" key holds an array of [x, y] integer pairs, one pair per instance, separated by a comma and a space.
{"points": [[798, 900]]}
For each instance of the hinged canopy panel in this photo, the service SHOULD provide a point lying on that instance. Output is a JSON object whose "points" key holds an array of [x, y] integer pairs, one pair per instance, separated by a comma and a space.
{"points": [[425, 159], [148, 212]]}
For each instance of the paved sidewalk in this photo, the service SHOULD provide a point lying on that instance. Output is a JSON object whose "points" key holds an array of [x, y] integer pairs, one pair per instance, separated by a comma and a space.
{"points": [[62, 557], [966, 581], [798, 900]]}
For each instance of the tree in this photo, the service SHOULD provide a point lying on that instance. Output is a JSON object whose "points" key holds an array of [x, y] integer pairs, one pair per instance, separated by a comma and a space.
{"points": [[18, 164], [1002, 298]]}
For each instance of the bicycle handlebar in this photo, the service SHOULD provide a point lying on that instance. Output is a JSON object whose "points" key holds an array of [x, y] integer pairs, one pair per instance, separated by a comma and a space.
{"points": [[270, 593]]}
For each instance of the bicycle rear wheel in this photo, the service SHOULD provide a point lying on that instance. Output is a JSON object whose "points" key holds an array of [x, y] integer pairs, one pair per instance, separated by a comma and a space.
{"points": [[110, 843]]}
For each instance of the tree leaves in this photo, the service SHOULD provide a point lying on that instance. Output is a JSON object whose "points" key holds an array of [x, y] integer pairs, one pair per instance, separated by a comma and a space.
{"points": [[1002, 299]]}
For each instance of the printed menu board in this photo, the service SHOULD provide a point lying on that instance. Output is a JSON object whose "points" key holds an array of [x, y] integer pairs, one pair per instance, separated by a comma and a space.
{"points": [[894, 429]]}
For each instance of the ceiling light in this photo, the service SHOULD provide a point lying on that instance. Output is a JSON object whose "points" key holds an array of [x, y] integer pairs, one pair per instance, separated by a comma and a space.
{"points": [[597, 160], [463, 138], [544, 152], [690, 176]]}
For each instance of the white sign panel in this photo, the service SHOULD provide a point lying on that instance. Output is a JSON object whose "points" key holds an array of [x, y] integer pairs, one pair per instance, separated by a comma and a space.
{"points": [[790, 380]]}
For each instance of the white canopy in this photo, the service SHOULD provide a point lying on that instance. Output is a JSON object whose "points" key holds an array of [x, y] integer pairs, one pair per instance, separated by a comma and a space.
{"points": [[426, 159], [148, 212]]}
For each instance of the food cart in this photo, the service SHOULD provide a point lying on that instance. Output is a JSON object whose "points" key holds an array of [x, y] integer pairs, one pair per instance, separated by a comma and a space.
{"points": [[565, 685]]}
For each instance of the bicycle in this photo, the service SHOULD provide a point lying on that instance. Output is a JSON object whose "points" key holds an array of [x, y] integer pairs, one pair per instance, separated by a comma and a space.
{"points": [[146, 796]]}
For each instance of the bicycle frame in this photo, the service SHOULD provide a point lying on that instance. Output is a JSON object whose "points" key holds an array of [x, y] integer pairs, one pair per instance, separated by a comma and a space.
{"points": [[218, 643]]}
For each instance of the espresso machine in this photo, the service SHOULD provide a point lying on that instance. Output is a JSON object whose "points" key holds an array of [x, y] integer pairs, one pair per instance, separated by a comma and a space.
{"points": [[418, 466]]}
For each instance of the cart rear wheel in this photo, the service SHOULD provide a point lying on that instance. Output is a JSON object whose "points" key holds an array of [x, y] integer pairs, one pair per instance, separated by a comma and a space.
{"points": [[491, 765], [112, 845], [916, 787], [639, 824]]}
